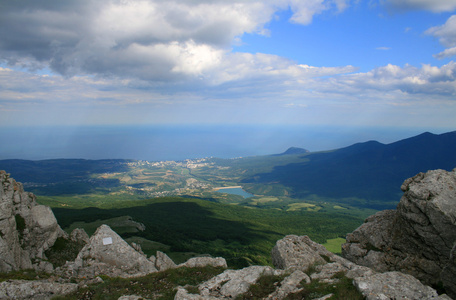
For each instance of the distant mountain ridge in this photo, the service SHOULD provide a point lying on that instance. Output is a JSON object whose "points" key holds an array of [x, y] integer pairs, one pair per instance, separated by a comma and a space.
{"points": [[371, 170]]}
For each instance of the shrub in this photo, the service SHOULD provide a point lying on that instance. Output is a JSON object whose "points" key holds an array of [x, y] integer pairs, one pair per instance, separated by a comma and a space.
{"points": [[160, 285], [341, 290], [62, 251], [265, 285], [23, 275]]}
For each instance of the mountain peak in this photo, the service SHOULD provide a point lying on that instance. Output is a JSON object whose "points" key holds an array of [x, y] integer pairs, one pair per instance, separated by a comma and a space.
{"points": [[294, 150]]}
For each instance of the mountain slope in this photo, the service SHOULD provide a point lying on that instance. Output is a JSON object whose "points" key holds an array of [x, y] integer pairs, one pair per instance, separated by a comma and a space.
{"points": [[370, 170]]}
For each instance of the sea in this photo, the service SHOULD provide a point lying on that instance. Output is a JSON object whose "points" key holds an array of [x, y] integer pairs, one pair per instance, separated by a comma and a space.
{"points": [[180, 142]]}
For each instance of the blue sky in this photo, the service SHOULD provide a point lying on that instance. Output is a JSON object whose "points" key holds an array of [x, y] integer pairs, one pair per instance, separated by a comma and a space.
{"points": [[364, 36], [371, 63]]}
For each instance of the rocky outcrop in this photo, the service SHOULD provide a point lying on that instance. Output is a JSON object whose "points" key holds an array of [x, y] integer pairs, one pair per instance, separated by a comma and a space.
{"points": [[291, 281], [131, 297], [163, 262], [373, 285], [107, 253], [290, 285], [203, 261], [233, 283], [418, 238], [229, 284], [79, 235], [292, 255], [22, 289], [394, 285], [27, 229]]}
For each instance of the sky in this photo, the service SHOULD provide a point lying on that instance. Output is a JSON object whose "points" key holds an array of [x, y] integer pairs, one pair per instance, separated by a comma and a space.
{"points": [[369, 63]]}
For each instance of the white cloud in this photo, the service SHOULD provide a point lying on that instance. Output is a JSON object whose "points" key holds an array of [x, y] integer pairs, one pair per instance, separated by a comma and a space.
{"points": [[446, 33], [427, 80], [304, 11], [430, 5], [446, 53], [215, 23], [252, 88], [126, 38], [242, 78], [145, 39]]}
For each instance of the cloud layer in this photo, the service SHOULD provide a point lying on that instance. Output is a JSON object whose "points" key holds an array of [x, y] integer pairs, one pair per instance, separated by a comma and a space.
{"points": [[148, 40], [155, 40], [156, 54], [431, 5]]}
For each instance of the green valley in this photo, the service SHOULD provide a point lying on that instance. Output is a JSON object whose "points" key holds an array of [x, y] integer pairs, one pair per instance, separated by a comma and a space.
{"points": [[189, 226], [177, 206]]}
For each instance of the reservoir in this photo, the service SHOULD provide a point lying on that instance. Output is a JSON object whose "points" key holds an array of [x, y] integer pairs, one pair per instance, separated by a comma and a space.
{"points": [[235, 191]]}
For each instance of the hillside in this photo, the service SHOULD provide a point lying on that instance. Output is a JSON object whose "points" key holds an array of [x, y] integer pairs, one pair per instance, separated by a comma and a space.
{"points": [[365, 174], [187, 225]]}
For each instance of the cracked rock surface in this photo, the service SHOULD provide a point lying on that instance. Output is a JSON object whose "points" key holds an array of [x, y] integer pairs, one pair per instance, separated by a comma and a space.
{"points": [[418, 238]]}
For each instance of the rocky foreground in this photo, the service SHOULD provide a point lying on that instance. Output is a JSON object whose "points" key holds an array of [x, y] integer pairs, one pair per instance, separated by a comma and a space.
{"points": [[394, 255], [418, 238]]}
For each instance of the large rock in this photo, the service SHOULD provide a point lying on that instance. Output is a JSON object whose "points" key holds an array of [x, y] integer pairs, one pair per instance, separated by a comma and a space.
{"points": [[418, 238], [290, 285], [301, 253], [79, 235], [27, 229], [364, 245], [197, 262], [183, 294], [163, 262], [294, 253], [229, 284], [233, 283], [107, 253], [395, 285]]}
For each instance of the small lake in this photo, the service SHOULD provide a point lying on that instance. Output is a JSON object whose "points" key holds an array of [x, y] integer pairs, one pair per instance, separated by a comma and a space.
{"points": [[235, 191]]}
